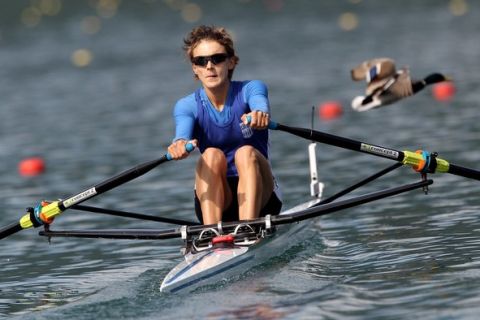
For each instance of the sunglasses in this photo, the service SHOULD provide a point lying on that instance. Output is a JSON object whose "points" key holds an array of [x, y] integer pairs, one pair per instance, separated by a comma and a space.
{"points": [[214, 58]]}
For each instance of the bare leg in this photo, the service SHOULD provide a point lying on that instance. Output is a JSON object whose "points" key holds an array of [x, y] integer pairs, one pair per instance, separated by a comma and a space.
{"points": [[211, 185], [255, 182]]}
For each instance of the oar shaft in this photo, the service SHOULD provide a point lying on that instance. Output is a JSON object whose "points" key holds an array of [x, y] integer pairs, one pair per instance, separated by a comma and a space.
{"points": [[53, 209], [116, 181], [464, 172], [341, 142], [111, 183], [129, 174], [10, 229], [58, 207]]}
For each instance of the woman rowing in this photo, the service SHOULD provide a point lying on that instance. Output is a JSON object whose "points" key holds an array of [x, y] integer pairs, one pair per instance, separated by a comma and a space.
{"points": [[233, 177]]}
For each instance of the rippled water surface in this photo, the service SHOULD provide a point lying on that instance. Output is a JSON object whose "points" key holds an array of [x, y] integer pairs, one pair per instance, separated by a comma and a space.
{"points": [[412, 255]]}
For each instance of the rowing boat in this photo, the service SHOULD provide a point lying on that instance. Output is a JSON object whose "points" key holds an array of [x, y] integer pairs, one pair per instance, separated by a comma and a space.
{"points": [[214, 255], [209, 259], [213, 252]]}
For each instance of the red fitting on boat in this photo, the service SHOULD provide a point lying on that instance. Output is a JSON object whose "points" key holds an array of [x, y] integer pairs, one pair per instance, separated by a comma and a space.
{"points": [[228, 238]]}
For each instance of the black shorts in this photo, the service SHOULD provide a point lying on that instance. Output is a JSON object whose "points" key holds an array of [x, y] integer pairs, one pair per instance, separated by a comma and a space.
{"points": [[273, 206]]}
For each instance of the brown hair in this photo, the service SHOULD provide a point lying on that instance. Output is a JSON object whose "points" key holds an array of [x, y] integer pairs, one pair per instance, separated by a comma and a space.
{"points": [[214, 33]]}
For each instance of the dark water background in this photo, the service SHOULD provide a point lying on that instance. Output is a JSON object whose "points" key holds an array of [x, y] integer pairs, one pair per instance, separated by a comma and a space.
{"points": [[408, 256]]}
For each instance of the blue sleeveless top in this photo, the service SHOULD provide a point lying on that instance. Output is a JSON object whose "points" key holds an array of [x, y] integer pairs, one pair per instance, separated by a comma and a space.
{"points": [[228, 136]]}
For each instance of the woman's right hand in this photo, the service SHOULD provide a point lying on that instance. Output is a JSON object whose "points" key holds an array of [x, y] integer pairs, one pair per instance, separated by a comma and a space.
{"points": [[177, 149]]}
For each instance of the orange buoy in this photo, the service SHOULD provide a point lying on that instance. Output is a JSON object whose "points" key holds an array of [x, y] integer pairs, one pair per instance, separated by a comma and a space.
{"points": [[31, 166], [330, 110], [443, 91]]}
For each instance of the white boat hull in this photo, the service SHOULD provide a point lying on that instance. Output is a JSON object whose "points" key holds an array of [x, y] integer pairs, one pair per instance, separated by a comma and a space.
{"points": [[223, 262]]}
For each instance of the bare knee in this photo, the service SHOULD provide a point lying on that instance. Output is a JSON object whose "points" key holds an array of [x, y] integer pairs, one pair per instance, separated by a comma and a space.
{"points": [[212, 159], [246, 155], [252, 164]]}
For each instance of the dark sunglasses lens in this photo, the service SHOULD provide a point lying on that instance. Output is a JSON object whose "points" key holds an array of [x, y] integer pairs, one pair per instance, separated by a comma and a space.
{"points": [[215, 59], [200, 61], [218, 58]]}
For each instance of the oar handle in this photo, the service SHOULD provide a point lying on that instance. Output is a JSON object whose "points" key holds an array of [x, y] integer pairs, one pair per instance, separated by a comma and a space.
{"points": [[189, 147], [271, 124]]}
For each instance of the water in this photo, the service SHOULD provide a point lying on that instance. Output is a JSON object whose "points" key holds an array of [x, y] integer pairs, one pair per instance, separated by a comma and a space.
{"points": [[408, 256]]}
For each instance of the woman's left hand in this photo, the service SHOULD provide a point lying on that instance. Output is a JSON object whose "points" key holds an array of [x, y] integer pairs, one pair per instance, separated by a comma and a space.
{"points": [[259, 119]]}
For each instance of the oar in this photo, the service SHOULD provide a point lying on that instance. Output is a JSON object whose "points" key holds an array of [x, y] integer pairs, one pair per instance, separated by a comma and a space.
{"points": [[421, 161], [45, 214]]}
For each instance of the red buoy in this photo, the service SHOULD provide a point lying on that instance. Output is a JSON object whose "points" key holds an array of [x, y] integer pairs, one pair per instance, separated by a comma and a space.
{"points": [[443, 91], [330, 110], [31, 166]]}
